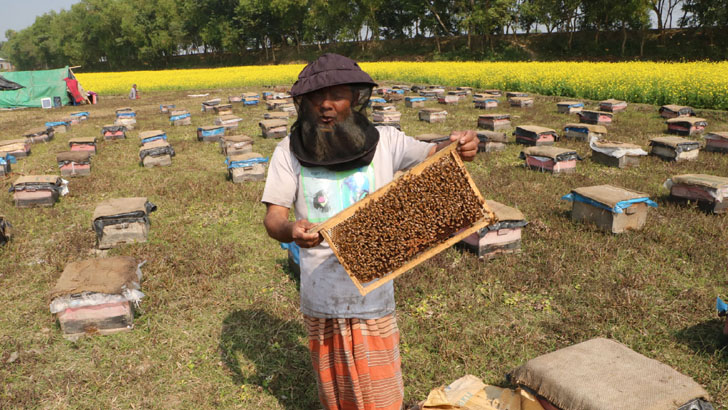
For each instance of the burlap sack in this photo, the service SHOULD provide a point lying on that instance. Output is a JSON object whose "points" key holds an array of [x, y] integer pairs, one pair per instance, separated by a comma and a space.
{"points": [[103, 275], [608, 195]]}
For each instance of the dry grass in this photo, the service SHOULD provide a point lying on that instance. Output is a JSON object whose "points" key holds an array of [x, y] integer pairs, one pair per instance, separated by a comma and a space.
{"points": [[220, 325]]}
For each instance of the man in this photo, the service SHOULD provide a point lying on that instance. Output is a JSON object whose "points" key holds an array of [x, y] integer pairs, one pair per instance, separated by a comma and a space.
{"points": [[334, 157], [134, 93]]}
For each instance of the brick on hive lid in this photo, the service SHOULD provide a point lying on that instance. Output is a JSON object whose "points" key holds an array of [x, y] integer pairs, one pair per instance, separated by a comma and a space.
{"points": [[18, 147], [686, 125], [501, 236], [521, 102], [569, 107], [249, 166], [274, 128], [37, 190], [612, 105], [97, 296], [146, 137], [716, 141], [550, 159], [615, 153], [673, 111], [584, 132], [671, 148], [494, 122], [83, 144], [595, 117], [490, 141], [74, 163], [157, 153], [210, 133], [236, 144], [613, 209], [709, 191], [535, 135], [40, 134], [120, 221], [432, 115]]}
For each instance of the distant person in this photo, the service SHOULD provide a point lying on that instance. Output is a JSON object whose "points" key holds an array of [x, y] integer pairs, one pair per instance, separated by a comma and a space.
{"points": [[134, 93]]}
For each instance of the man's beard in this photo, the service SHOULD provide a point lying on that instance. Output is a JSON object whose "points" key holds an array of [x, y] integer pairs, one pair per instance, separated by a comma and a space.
{"points": [[344, 139]]}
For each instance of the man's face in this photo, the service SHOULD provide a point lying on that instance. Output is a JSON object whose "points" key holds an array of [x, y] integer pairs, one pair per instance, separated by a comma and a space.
{"points": [[331, 105]]}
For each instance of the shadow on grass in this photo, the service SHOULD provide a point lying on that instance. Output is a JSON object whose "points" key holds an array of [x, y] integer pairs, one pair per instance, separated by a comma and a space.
{"points": [[263, 350], [293, 272], [706, 338]]}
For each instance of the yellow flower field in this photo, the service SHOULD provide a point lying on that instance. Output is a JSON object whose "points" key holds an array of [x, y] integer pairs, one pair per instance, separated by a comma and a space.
{"points": [[700, 84]]}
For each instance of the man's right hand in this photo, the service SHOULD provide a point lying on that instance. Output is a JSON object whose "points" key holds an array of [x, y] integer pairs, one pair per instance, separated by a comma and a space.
{"points": [[300, 234]]}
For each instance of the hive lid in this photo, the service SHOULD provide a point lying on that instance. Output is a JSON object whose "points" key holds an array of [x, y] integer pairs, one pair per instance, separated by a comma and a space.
{"points": [[13, 141], [591, 127], [674, 107], [154, 144], [244, 157], [597, 112], [113, 126], [503, 212], [520, 98], [82, 140], [717, 135], [433, 110], [73, 156], [536, 129], [671, 141], [214, 101], [210, 127], [690, 120], [229, 117], [568, 102], [612, 101], [237, 138], [548, 151], [495, 116], [173, 113], [150, 134], [273, 123], [608, 194], [249, 95], [431, 137], [602, 143], [124, 109], [120, 206], [38, 179], [704, 180], [104, 275]]}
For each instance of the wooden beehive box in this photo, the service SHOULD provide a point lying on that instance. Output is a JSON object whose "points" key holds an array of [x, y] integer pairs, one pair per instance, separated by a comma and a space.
{"points": [[113, 132], [686, 125], [522, 102], [83, 144], [584, 132], [612, 209], [569, 107], [674, 148], [74, 163], [42, 134], [709, 191], [494, 122], [612, 105], [485, 103], [716, 142], [595, 117], [404, 239], [674, 111]]}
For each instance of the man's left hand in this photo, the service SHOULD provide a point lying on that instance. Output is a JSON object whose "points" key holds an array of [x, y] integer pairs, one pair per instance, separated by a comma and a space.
{"points": [[468, 143]]}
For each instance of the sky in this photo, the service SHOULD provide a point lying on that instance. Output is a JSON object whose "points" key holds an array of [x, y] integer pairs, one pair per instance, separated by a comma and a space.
{"points": [[19, 14]]}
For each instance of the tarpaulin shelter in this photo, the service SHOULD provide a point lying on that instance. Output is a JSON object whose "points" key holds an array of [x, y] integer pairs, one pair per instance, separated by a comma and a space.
{"points": [[55, 84]]}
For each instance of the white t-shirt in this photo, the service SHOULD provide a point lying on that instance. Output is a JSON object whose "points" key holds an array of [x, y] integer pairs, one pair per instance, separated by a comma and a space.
{"points": [[317, 194]]}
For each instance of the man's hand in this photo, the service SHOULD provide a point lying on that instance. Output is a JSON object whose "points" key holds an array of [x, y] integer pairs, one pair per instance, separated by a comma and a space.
{"points": [[468, 143], [300, 234]]}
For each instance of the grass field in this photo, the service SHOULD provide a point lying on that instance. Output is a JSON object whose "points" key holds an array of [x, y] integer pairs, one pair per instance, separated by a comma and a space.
{"points": [[220, 326]]}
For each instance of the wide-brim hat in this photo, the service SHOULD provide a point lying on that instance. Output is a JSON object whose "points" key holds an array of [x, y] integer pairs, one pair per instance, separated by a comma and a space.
{"points": [[327, 71]]}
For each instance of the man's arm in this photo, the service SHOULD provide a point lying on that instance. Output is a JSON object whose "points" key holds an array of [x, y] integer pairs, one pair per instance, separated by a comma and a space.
{"points": [[467, 148], [281, 229]]}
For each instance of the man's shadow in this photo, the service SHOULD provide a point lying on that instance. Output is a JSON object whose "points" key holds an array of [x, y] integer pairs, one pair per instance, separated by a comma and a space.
{"points": [[706, 338], [263, 350]]}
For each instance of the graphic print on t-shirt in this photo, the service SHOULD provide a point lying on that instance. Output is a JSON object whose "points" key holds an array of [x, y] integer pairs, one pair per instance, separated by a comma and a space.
{"points": [[327, 192]]}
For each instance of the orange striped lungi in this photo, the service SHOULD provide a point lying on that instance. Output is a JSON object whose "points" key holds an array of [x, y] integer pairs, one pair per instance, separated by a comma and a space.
{"points": [[357, 362]]}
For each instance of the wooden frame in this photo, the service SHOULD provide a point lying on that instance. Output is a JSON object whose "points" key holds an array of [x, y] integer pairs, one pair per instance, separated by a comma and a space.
{"points": [[325, 227]]}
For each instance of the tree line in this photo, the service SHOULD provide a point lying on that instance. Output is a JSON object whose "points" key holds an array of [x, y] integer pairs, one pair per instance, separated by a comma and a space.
{"points": [[111, 34]]}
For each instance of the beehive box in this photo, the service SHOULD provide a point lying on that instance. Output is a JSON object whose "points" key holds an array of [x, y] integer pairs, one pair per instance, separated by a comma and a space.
{"points": [[251, 99], [432, 115], [125, 114], [249, 166], [36, 135], [223, 109], [494, 122], [674, 148], [432, 92], [485, 103], [19, 148], [406, 222], [584, 132], [448, 99], [235, 144], [569, 107], [394, 97], [674, 111], [515, 94], [490, 141], [165, 108], [535, 135], [74, 163], [156, 154], [180, 117], [522, 102], [210, 133], [235, 99], [230, 122], [612, 105], [128, 123], [716, 142], [276, 104], [595, 117], [616, 154], [709, 191], [145, 137], [552, 159], [686, 125], [611, 208], [83, 144], [276, 128], [209, 105], [120, 221], [388, 116], [113, 132], [36, 190], [59, 127], [503, 236]]}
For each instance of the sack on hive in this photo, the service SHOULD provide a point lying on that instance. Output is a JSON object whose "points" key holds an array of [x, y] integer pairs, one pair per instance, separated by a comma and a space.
{"points": [[59, 127], [432, 115], [414, 102], [569, 107], [121, 221], [611, 208], [686, 125], [156, 153], [489, 141], [674, 111], [595, 117], [5, 230], [612, 105], [18, 148], [180, 117], [710, 191], [502, 236], [80, 115], [165, 108], [74, 163], [38, 190], [494, 122], [521, 102], [584, 132], [97, 296], [42, 134], [602, 374], [145, 137], [535, 135], [277, 128], [549, 158], [674, 148], [235, 144], [716, 142], [83, 144], [5, 161], [246, 167], [615, 153], [209, 105], [210, 133]]}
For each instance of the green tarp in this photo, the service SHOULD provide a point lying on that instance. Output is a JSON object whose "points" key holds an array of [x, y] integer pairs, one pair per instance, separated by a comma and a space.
{"points": [[38, 84]]}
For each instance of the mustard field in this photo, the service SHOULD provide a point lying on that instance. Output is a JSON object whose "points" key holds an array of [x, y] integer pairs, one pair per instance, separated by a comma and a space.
{"points": [[698, 84]]}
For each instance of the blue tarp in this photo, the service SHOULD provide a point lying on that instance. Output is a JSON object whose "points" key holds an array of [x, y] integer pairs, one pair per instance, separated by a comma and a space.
{"points": [[9, 158], [56, 123], [80, 114], [721, 306], [154, 138], [211, 133], [618, 208], [415, 99], [295, 251], [251, 102], [245, 163], [377, 100], [125, 114], [179, 117]]}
